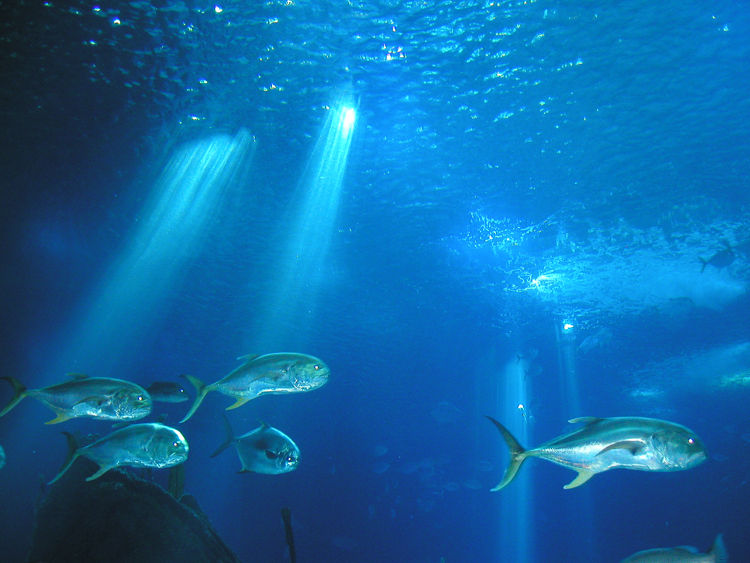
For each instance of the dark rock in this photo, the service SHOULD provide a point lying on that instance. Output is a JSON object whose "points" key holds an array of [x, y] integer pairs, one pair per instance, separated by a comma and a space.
{"points": [[120, 518]]}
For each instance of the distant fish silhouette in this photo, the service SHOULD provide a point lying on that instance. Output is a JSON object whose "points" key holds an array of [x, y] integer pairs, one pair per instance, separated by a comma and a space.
{"points": [[721, 259], [445, 412]]}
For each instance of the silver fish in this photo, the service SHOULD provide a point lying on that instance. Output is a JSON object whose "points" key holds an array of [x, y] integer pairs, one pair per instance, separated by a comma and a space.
{"points": [[138, 445], [271, 373], [167, 392], [263, 450], [102, 398], [644, 444], [682, 554]]}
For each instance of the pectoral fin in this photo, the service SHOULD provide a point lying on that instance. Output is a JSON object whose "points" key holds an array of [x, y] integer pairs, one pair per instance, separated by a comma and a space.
{"points": [[271, 455], [241, 401], [94, 400], [583, 476], [632, 446]]}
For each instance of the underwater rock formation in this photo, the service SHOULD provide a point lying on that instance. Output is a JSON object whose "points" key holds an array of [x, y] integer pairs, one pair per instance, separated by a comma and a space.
{"points": [[120, 518]]}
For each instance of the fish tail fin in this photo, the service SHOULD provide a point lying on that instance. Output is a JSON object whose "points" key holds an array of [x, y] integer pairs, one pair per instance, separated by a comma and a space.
{"points": [[517, 455], [719, 551], [201, 389], [72, 455], [230, 437], [19, 392]]}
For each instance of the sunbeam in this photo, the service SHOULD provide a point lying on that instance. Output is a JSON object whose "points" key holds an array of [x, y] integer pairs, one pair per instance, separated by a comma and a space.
{"points": [[185, 199], [308, 228]]}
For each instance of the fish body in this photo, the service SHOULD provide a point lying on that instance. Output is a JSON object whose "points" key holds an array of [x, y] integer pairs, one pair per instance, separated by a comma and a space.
{"points": [[151, 445], [681, 554], [263, 450], [271, 373], [643, 444], [599, 340], [102, 398], [721, 259], [167, 392]]}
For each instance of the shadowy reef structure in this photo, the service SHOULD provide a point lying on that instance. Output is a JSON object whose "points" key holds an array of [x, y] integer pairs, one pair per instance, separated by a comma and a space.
{"points": [[120, 518]]}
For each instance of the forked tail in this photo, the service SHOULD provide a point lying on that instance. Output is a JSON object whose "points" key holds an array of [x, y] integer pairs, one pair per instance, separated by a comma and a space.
{"points": [[517, 455], [19, 392], [230, 437], [201, 390], [72, 455]]}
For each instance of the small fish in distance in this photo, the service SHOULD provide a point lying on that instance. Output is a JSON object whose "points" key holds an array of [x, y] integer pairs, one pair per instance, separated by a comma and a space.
{"points": [[681, 554]]}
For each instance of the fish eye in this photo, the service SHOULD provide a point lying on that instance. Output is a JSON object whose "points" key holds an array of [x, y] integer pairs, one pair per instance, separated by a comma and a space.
{"points": [[316, 367], [691, 441]]}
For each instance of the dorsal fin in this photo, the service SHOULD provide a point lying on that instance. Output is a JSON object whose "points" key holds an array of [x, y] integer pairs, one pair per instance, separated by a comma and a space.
{"points": [[585, 420], [78, 375], [248, 358]]}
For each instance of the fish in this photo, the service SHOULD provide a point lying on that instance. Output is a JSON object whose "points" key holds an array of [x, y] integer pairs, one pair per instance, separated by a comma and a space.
{"points": [[599, 340], [278, 373], [643, 444], [721, 259], [681, 554], [101, 398], [151, 445], [263, 450], [167, 392]]}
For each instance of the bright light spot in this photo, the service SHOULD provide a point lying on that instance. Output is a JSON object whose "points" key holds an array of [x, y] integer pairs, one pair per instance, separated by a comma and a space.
{"points": [[97, 9], [567, 326], [218, 9], [520, 407], [349, 115], [116, 21]]}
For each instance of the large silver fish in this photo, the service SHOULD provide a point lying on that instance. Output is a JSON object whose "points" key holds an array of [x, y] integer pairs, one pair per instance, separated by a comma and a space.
{"points": [[681, 554], [644, 444], [271, 373], [263, 450], [137, 445], [92, 397]]}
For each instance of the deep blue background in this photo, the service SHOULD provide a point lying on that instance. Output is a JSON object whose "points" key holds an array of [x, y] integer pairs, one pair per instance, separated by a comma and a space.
{"points": [[604, 147]]}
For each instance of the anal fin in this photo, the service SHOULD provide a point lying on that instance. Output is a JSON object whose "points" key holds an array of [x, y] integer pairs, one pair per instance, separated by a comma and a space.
{"points": [[583, 476], [240, 401], [61, 417]]}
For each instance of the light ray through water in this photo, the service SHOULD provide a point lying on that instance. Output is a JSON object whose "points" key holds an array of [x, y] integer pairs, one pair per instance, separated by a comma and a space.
{"points": [[515, 519], [309, 226], [186, 198]]}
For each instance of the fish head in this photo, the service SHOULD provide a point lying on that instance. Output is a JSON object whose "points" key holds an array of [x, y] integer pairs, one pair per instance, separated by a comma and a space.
{"points": [[309, 373], [284, 459], [131, 403], [678, 447], [169, 447]]}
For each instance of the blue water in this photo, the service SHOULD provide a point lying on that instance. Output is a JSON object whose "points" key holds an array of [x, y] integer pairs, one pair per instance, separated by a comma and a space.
{"points": [[513, 167]]}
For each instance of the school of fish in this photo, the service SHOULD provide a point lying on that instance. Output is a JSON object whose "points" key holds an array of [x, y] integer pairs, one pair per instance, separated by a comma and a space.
{"points": [[155, 445]]}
